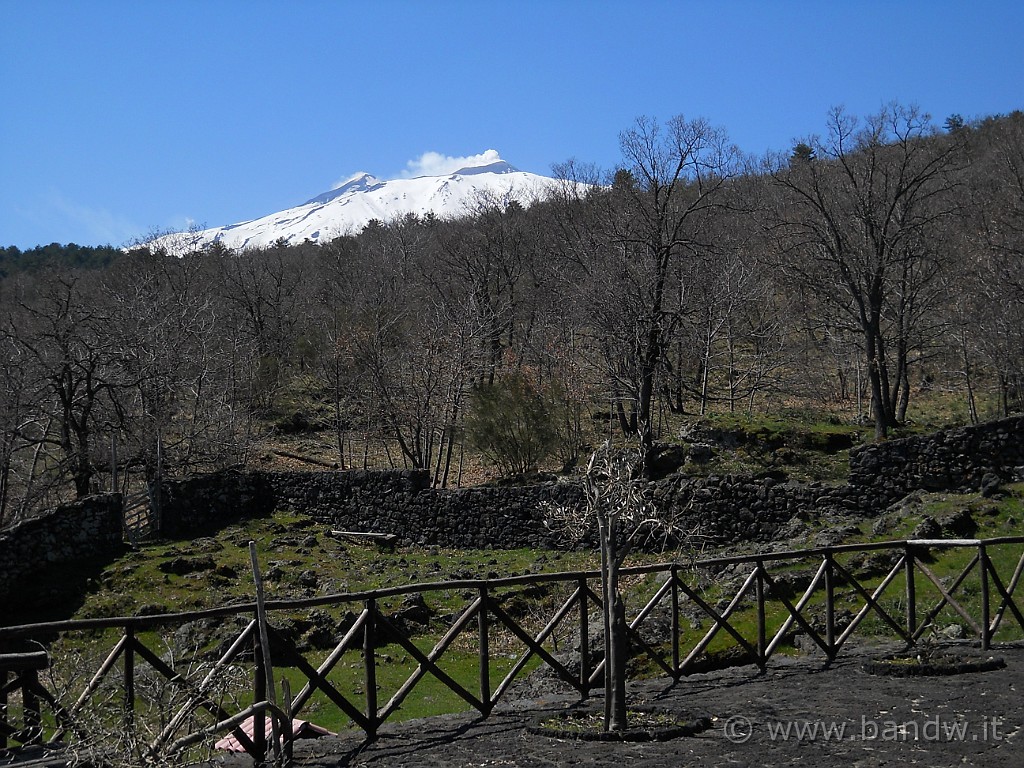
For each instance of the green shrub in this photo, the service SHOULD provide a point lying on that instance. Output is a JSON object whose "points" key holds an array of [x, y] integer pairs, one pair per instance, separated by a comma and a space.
{"points": [[512, 424]]}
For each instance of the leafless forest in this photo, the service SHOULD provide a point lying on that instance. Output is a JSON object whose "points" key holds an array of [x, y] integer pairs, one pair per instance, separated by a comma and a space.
{"points": [[865, 266]]}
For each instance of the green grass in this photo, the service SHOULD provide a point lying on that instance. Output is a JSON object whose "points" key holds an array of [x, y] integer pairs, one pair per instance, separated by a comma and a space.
{"points": [[299, 559], [994, 518], [148, 580], [801, 445], [145, 581], [289, 546], [430, 697]]}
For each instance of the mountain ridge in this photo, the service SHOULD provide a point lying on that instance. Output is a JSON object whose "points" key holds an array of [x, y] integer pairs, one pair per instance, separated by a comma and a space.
{"points": [[362, 198]]}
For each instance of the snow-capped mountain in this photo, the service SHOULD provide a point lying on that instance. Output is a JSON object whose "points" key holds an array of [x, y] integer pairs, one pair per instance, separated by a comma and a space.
{"points": [[349, 207]]}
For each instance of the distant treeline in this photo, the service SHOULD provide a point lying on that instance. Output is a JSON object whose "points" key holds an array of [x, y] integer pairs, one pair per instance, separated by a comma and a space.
{"points": [[55, 255]]}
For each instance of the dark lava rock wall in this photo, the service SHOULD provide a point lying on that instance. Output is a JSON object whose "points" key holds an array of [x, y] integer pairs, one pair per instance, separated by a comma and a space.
{"points": [[721, 508], [960, 458], [82, 530], [396, 502]]}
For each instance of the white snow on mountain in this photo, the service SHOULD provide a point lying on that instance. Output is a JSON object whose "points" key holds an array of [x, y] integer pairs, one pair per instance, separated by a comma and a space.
{"points": [[348, 208]]}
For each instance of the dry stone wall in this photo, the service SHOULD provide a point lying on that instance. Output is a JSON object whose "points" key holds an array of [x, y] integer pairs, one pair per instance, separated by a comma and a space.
{"points": [[963, 458], [722, 508], [728, 508], [208, 502], [395, 502], [86, 529]]}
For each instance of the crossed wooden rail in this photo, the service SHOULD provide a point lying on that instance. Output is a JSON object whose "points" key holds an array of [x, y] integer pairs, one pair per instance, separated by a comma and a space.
{"points": [[905, 597]]}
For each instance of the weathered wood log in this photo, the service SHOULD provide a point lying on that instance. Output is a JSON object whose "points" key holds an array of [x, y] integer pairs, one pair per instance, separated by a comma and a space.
{"points": [[307, 459], [19, 661], [384, 541], [372, 535]]}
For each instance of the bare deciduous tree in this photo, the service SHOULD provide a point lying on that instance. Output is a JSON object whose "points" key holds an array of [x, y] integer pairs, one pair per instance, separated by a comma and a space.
{"points": [[857, 224], [62, 329], [616, 501], [656, 211]]}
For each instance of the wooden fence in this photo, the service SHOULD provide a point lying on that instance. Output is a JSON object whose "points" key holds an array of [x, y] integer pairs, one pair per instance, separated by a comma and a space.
{"points": [[757, 603]]}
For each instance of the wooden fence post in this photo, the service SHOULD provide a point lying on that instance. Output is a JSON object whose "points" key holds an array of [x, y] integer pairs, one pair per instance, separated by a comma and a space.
{"points": [[908, 569], [762, 639], [674, 575], [986, 609], [129, 678], [370, 665], [830, 608], [30, 707], [259, 693], [485, 654], [581, 587], [265, 687], [3, 708]]}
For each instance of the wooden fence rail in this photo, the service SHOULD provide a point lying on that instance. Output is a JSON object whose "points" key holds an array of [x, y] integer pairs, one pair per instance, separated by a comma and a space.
{"points": [[825, 595]]}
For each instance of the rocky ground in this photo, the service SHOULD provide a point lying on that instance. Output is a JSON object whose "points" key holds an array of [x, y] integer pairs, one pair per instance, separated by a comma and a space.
{"points": [[799, 712]]}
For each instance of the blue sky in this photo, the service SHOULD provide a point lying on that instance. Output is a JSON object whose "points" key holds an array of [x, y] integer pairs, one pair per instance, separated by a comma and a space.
{"points": [[118, 119]]}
